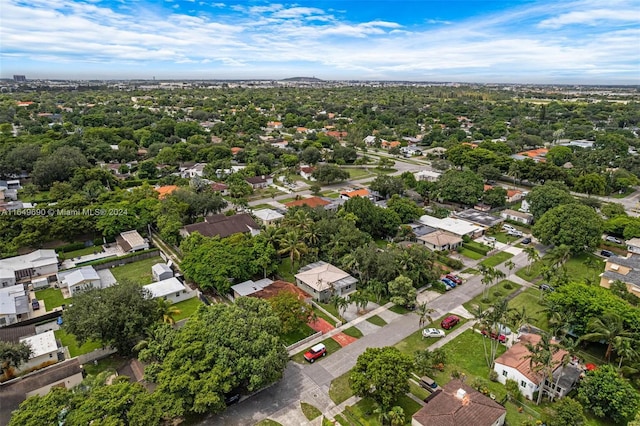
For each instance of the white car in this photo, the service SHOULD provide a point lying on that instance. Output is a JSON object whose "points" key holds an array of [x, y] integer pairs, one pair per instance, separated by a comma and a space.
{"points": [[508, 228], [432, 332], [613, 239]]}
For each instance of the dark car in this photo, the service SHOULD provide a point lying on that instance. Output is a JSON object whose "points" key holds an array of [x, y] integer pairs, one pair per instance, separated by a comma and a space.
{"points": [[527, 240], [35, 304], [495, 336], [428, 383], [606, 253], [231, 398], [456, 279], [449, 322], [546, 287]]}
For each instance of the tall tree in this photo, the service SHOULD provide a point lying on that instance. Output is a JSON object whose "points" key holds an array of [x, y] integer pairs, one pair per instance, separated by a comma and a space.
{"points": [[291, 244], [607, 328], [293, 312], [12, 355], [576, 226]]}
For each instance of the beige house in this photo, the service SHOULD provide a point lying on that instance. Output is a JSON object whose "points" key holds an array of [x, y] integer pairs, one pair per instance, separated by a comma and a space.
{"points": [[633, 245], [323, 280], [268, 216], [516, 216], [440, 240], [625, 269]]}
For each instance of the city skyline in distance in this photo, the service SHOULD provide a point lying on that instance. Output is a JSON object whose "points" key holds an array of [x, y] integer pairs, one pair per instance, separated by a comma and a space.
{"points": [[540, 42]]}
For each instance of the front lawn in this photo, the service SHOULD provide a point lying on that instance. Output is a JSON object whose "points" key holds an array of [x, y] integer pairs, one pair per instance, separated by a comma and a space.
{"points": [[496, 259], [356, 173], [363, 413], [580, 267], [331, 309], [471, 271], [415, 341], [504, 238], [52, 298], [498, 291], [331, 345], [297, 335], [309, 411], [530, 300], [470, 254], [187, 308], [330, 194], [69, 340], [399, 309], [376, 320], [353, 332], [138, 272], [340, 390]]}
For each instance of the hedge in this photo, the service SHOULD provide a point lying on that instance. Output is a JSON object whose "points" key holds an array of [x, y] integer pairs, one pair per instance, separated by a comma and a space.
{"points": [[477, 247], [70, 247]]}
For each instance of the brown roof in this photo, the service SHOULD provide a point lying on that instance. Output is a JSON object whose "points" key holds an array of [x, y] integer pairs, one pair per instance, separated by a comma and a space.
{"points": [[223, 226], [218, 186], [13, 334], [312, 202], [257, 179], [124, 245], [516, 357], [363, 192], [447, 409], [276, 287], [440, 238]]}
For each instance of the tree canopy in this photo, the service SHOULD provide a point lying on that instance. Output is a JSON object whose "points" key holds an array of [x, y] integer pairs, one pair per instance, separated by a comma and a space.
{"points": [[577, 226], [464, 187]]}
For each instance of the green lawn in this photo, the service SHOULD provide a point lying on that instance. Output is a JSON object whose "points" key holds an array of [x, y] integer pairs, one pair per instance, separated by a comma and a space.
{"points": [[339, 390], [353, 332], [69, 340], [309, 411], [110, 363], [52, 298], [376, 320], [138, 272], [187, 308], [498, 291], [356, 173], [530, 300], [77, 253], [399, 309], [504, 238], [331, 309], [297, 335], [330, 194], [287, 200], [331, 345], [284, 270], [415, 341], [471, 271], [382, 243], [363, 413], [470, 254], [418, 391], [577, 268], [496, 259]]}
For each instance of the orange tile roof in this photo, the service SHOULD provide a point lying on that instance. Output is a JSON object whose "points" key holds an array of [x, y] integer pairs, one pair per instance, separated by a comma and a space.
{"points": [[487, 187], [516, 357], [390, 144], [472, 145], [312, 202], [533, 153], [277, 287], [163, 191], [357, 193], [513, 192], [236, 149]]}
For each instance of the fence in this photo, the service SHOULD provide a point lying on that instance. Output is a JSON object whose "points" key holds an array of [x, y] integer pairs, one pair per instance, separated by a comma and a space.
{"points": [[317, 306], [128, 259], [303, 341], [95, 355]]}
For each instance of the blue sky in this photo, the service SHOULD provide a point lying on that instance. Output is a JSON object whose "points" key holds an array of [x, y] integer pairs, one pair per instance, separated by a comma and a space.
{"points": [[582, 42]]}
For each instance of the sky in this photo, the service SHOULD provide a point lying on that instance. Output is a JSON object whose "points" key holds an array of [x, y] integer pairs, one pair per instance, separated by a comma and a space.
{"points": [[484, 41]]}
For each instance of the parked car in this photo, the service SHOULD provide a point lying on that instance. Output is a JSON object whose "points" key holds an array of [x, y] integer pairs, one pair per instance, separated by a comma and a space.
{"points": [[495, 336], [448, 282], [35, 304], [503, 329], [613, 239], [432, 332], [515, 233], [546, 287], [449, 322], [527, 240], [456, 279], [490, 239], [428, 383], [315, 352], [231, 398], [607, 253]]}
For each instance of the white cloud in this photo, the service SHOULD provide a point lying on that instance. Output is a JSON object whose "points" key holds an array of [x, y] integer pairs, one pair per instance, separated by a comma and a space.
{"points": [[592, 17]]}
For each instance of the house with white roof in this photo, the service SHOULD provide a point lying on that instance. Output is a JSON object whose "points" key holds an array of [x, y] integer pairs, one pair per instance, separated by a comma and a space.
{"points": [[80, 279], [454, 226], [268, 216], [193, 171], [131, 241], [249, 287], [170, 289], [14, 304], [633, 246], [323, 280], [427, 175], [43, 349], [40, 263]]}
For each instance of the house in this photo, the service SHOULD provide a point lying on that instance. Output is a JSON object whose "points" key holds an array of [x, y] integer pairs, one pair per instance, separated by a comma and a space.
{"points": [[363, 192], [14, 304], [268, 216], [323, 280], [80, 279], [161, 271], [479, 218], [515, 365], [311, 202], [584, 144], [633, 246], [388, 145], [427, 175], [525, 206], [193, 171], [516, 216], [306, 172], [537, 155], [41, 263], [131, 241], [514, 195], [369, 140], [164, 191], [9, 190], [455, 226], [220, 187], [236, 150], [249, 287], [258, 182], [277, 287], [459, 404], [410, 151], [625, 269], [440, 240], [274, 125], [170, 289], [219, 225], [43, 349]]}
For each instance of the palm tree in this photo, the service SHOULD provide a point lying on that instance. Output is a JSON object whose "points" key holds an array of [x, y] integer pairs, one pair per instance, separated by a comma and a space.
{"points": [[378, 288], [300, 220], [541, 360], [273, 235], [626, 348], [518, 317], [291, 244], [532, 256], [489, 275], [607, 329], [558, 255], [424, 311], [396, 416], [510, 265], [340, 303], [167, 311]]}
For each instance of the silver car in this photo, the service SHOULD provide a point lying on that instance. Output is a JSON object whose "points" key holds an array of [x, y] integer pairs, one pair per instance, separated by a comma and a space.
{"points": [[432, 332]]}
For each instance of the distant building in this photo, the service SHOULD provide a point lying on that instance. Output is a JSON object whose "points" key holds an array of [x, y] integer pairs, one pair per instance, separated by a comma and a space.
{"points": [[164, 191], [427, 175], [19, 78], [222, 226], [80, 279], [458, 227], [40, 263], [306, 172], [625, 269], [193, 171], [347, 195], [323, 280], [516, 216], [479, 218], [440, 240], [170, 289], [131, 241], [268, 216], [258, 182], [311, 202]]}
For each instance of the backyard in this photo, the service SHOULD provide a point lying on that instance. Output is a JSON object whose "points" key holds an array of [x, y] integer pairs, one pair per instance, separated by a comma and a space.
{"points": [[138, 272], [52, 298], [529, 299], [581, 267], [81, 252], [69, 340], [187, 308]]}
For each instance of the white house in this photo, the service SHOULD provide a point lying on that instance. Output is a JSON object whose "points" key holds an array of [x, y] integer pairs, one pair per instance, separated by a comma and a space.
{"points": [[39, 263], [193, 171], [249, 287], [427, 175], [323, 280], [14, 304], [633, 246], [43, 349], [516, 216], [131, 241], [525, 206], [458, 227], [306, 172], [170, 289], [161, 271], [268, 216], [79, 279]]}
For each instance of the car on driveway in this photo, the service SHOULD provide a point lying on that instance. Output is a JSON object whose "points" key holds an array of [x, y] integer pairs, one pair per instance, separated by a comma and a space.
{"points": [[613, 239], [456, 279], [448, 282], [507, 227], [546, 287], [515, 233], [495, 336], [428, 383], [527, 240], [449, 322], [315, 352], [433, 332], [607, 253]]}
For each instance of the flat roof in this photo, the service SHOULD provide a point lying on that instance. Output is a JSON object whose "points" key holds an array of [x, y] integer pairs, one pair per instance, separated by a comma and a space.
{"points": [[455, 226], [165, 287], [41, 344], [249, 287], [480, 218], [133, 238]]}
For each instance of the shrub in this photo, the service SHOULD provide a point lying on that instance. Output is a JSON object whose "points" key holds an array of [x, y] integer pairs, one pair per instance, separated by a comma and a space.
{"points": [[493, 376], [507, 286], [70, 247], [497, 294]]}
